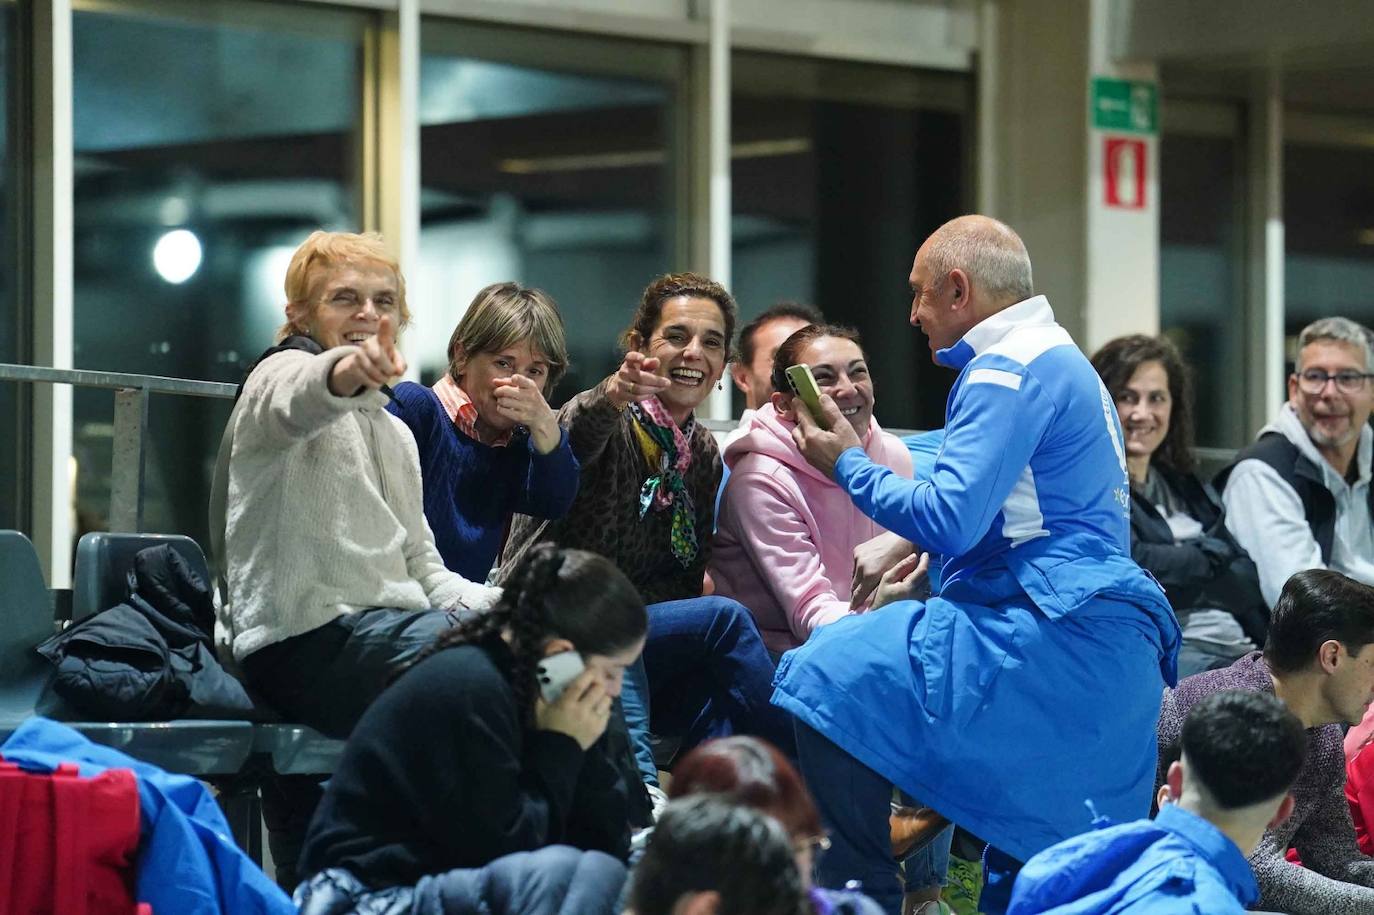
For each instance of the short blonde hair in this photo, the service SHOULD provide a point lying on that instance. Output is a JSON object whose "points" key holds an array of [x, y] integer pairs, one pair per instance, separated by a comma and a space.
{"points": [[326, 250], [504, 314]]}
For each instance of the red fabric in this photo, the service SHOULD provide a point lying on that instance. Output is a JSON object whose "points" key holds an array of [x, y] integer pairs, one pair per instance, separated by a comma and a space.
{"points": [[69, 842], [1359, 793]]}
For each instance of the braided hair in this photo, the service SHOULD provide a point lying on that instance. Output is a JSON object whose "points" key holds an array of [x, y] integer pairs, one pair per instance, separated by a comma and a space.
{"points": [[555, 593]]}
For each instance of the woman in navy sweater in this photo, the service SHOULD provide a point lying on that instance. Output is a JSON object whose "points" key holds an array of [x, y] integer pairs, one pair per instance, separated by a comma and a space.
{"points": [[489, 444]]}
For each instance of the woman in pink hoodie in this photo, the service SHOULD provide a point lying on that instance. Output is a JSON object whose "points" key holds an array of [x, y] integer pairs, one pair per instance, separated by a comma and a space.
{"points": [[785, 536]]}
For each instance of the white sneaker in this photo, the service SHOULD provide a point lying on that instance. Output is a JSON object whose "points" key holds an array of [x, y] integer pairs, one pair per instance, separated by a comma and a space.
{"points": [[658, 799]]}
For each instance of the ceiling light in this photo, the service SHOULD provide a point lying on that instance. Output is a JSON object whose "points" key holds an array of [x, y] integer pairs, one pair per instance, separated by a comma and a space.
{"points": [[177, 256]]}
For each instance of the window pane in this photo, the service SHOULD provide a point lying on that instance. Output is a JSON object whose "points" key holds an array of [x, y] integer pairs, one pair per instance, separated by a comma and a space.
{"points": [[839, 172], [1201, 283], [1328, 211], [210, 138], [546, 159], [13, 439]]}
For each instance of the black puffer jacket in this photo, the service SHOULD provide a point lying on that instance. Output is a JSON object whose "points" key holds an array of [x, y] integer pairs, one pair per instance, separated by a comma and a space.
{"points": [[150, 658], [1211, 572]]}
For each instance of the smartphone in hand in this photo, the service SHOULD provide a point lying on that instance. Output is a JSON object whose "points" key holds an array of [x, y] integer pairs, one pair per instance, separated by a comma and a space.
{"points": [[556, 671], [804, 384]]}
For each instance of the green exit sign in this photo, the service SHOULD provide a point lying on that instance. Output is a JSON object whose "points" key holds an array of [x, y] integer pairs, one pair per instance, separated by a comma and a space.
{"points": [[1123, 104]]}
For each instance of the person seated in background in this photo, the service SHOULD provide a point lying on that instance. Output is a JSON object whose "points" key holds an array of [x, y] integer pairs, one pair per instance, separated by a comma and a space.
{"points": [[333, 578], [751, 772], [489, 444], [1318, 660], [786, 533], [467, 758], [1299, 497], [711, 856], [646, 501], [752, 372], [1178, 528], [1241, 751]]}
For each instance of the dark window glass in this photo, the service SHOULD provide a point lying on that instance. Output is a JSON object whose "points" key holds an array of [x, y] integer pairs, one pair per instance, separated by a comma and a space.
{"points": [[211, 137], [548, 160], [14, 440], [1328, 214], [1201, 278], [839, 171]]}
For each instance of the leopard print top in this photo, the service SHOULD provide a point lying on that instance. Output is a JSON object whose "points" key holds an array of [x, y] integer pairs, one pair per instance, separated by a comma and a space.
{"points": [[604, 518]]}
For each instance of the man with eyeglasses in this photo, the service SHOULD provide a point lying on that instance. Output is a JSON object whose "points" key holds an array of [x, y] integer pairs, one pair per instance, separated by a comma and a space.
{"points": [[1299, 496]]}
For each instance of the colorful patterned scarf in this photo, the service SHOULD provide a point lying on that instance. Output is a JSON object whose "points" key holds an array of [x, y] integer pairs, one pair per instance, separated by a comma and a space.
{"points": [[668, 450]]}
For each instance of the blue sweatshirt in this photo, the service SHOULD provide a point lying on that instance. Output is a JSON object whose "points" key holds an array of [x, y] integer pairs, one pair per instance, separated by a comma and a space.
{"points": [[472, 489], [1175, 864]]}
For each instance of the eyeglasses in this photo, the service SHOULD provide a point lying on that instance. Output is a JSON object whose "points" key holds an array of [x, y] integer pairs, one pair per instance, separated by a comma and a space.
{"points": [[1313, 381]]}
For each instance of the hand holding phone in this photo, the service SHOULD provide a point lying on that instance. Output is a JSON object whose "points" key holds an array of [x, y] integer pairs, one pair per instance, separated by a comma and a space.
{"points": [[580, 708], [804, 384]]}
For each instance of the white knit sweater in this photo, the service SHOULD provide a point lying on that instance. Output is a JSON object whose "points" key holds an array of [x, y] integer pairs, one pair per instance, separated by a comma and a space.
{"points": [[324, 513]]}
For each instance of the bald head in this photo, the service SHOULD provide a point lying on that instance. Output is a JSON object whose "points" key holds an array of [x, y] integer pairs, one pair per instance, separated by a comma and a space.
{"points": [[968, 269], [989, 252]]}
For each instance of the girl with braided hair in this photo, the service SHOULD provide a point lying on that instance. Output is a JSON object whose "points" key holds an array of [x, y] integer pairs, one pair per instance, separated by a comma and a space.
{"points": [[460, 776]]}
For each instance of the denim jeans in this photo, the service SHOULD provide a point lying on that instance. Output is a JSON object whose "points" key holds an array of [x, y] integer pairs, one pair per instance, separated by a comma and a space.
{"points": [[854, 803], [707, 675]]}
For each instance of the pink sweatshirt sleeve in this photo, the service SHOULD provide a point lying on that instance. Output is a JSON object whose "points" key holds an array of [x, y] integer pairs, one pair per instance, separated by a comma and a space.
{"points": [[781, 545]]}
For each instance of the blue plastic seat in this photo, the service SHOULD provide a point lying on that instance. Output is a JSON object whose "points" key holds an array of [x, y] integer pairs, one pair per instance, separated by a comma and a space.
{"points": [[193, 746], [103, 561]]}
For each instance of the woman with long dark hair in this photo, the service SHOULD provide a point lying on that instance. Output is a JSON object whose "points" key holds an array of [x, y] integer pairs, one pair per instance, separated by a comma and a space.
{"points": [[1177, 529], [468, 758]]}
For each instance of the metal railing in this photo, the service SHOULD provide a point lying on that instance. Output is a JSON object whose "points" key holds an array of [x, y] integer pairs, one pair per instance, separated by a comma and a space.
{"points": [[130, 435]]}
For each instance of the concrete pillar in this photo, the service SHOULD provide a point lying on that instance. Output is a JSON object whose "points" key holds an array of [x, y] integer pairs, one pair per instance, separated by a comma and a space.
{"points": [[1073, 167]]}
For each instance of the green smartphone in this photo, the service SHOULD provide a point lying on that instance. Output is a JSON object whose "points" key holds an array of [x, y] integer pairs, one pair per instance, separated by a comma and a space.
{"points": [[804, 384]]}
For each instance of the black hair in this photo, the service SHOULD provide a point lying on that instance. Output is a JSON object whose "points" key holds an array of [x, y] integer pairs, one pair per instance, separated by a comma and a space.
{"points": [[1244, 746], [555, 593], [704, 843], [786, 309], [1316, 606]]}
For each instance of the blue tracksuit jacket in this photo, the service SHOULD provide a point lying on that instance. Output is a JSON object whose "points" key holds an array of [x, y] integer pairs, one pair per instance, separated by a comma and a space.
{"points": [[1032, 681], [1175, 864]]}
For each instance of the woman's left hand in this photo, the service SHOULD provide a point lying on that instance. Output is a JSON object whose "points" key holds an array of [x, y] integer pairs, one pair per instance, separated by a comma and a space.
{"points": [[899, 581], [872, 559], [519, 400]]}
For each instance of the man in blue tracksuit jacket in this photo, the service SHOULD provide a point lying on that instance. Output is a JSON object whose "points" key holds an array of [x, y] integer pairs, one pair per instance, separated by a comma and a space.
{"points": [[1032, 682]]}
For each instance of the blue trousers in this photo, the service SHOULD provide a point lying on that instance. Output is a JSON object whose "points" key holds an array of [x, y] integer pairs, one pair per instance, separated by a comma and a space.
{"points": [[705, 674], [854, 803]]}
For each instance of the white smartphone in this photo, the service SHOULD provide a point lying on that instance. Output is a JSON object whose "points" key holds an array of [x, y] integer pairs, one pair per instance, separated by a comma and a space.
{"points": [[557, 671]]}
